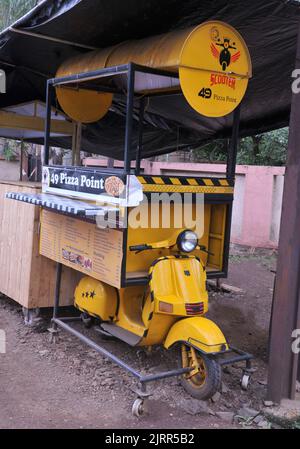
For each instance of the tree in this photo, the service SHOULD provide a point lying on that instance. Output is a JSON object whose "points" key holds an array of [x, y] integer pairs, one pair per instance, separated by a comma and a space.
{"points": [[261, 149], [10, 11], [264, 149]]}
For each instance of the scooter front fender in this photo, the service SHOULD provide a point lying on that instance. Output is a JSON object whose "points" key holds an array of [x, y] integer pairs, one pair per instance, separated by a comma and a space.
{"points": [[199, 332]]}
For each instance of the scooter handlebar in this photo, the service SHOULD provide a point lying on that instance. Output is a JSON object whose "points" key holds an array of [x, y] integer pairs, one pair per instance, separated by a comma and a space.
{"points": [[142, 247], [203, 248]]}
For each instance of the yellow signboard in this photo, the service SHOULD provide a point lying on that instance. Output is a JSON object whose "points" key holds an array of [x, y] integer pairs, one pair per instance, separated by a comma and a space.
{"points": [[82, 246], [214, 69], [84, 105]]}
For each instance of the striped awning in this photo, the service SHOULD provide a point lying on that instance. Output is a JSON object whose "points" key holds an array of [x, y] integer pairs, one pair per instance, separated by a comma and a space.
{"points": [[61, 204]]}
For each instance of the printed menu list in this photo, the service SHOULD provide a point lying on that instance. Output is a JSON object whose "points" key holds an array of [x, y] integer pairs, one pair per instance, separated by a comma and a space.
{"points": [[82, 246]]}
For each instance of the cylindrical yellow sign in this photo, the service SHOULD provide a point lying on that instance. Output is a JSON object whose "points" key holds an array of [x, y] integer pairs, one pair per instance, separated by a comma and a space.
{"points": [[212, 59], [214, 69]]}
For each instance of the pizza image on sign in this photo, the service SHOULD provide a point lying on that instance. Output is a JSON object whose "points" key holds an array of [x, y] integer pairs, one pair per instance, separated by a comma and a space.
{"points": [[215, 67], [114, 186]]}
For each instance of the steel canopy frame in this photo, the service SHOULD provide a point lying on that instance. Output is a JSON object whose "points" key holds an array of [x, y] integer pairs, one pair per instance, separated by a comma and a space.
{"points": [[127, 69], [130, 70]]}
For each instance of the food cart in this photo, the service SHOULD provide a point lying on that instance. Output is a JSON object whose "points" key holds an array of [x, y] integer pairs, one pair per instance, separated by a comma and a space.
{"points": [[144, 280]]}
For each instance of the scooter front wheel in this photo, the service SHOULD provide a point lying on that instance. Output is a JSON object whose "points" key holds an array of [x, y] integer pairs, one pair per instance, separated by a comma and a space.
{"points": [[206, 380]]}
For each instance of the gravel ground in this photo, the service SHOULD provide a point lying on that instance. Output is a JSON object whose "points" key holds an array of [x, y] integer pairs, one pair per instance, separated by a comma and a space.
{"points": [[68, 385]]}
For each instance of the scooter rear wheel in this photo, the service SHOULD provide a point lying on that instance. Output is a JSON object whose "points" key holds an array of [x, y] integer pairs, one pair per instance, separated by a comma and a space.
{"points": [[204, 384]]}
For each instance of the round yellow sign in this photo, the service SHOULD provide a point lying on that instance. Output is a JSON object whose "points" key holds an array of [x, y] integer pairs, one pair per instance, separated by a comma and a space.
{"points": [[214, 69], [84, 106]]}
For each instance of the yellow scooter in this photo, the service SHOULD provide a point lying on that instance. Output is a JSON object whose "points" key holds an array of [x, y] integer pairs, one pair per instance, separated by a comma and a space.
{"points": [[169, 311]]}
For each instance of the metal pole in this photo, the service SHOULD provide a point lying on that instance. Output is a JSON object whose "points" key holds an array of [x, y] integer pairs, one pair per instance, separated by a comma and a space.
{"points": [[129, 118], [57, 289], [140, 142], [21, 159], [283, 362], [233, 147], [230, 174], [47, 124], [74, 139], [101, 350], [76, 152]]}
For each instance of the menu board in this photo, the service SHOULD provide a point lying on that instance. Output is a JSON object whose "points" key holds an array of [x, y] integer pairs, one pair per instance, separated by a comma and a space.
{"points": [[82, 246]]}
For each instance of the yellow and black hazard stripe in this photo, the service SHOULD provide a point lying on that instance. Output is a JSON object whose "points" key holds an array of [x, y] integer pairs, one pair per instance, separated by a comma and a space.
{"points": [[185, 184]]}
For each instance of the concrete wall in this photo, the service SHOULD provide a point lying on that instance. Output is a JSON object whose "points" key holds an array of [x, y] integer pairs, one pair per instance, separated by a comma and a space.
{"points": [[257, 198], [9, 171]]}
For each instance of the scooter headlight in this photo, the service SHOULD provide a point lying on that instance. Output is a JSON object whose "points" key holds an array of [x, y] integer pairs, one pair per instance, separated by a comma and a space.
{"points": [[187, 241]]}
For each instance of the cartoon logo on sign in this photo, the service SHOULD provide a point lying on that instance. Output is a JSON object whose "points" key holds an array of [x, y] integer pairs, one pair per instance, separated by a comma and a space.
{"points": [[224, 56]]}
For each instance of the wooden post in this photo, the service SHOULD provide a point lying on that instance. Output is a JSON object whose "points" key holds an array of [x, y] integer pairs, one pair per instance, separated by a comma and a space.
{"points": [[283, 362], [110, 162], [21, 159], [76, 143]]}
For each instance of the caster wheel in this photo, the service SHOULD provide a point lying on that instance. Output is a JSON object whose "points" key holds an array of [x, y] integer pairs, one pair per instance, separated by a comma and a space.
{"points": [[31, 316], [138, 408], [87, 320], [53, 335], [52, 339], [245, 380]]}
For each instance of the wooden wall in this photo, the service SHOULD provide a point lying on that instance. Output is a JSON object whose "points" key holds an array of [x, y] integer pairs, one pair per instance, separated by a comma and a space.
{"points": [[25, 276]]}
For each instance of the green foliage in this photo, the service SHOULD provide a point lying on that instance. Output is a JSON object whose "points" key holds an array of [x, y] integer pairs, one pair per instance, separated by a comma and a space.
{"points": [[11, 10], [214, 151], [9, 151], [262, 149]]}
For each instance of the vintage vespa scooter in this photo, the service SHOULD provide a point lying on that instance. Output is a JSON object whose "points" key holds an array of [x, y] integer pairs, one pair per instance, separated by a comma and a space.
{"points": [[170, 311]]}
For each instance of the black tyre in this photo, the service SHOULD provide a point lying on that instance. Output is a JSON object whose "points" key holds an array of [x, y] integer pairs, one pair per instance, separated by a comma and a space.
{"points": [[204, 384]]}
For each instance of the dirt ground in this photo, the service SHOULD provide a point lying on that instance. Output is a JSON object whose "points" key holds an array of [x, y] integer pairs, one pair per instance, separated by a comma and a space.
{"points": [[68, 385]]}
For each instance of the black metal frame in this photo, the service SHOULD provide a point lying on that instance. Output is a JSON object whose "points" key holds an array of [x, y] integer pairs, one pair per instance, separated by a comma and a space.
{"points": [[127, 69], [62, 323], [130, 70], [238, 355]]}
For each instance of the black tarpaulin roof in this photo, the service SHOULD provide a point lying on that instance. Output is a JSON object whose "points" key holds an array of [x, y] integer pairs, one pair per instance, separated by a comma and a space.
{"points": [[269, 28]]}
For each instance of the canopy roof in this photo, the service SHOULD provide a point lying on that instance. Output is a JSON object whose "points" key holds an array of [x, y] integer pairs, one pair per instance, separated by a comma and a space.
{"points": [[26, 122], [34, 47]]}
